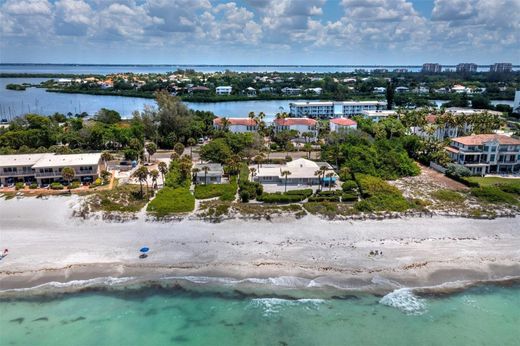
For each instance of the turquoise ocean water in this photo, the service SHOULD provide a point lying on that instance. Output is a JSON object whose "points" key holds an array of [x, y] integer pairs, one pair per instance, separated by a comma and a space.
{"points": [[486, 315]]}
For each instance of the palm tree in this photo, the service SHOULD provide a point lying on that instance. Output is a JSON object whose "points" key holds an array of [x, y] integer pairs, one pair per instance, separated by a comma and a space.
{"points": [[163, 169], [205, 169], [68, 173], [141, 174], [178, 148], [224, 122], [174, 156], [195, 171], [191, 142], [251, 115], [106, 156], [151, 148], [308, 148], [323, 170], [330, 175], [252, 170], [259, 158], [154, 174], [286, 174]]}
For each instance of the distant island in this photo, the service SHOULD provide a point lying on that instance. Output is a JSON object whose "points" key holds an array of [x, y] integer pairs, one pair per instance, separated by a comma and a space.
{"points": [[18, 87]]}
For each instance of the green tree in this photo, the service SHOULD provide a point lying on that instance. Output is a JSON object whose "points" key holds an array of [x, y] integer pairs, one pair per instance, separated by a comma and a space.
{"points": [[108, 116], [151, 148], [163, 169], [141, 174], [179, 148], [286, 174], [68, 173]]}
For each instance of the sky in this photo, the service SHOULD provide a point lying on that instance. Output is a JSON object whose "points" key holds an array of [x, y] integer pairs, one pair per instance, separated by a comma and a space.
{"points": [[310, 32]]}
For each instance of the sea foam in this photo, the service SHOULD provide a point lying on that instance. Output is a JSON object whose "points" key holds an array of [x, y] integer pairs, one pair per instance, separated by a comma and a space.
{"points": [[404, 300]]}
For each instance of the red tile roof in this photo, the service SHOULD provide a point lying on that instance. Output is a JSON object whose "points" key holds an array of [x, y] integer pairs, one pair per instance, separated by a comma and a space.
{"points": [[343, 122], [481, 139], [295, 121], [431, 118], [235, 121]]}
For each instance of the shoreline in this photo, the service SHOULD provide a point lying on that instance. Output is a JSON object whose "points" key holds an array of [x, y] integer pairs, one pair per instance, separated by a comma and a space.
{"points": [[46, 244]]}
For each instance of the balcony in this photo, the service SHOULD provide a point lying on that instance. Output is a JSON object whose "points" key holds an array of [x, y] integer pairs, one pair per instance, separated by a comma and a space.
{"points": [[16, 174]]}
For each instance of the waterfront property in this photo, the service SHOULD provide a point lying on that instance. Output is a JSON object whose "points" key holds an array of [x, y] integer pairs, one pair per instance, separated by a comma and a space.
{"points": [[223, 90], [516, 103], [208, 173], [235, 125], [300, 125], [486, 154], [332, 109], [377, 115], [47, 168], [302, 172], [342, 124]]}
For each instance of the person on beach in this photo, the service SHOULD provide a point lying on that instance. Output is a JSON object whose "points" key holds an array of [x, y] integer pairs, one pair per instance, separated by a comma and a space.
{"points": [[6, 251]]}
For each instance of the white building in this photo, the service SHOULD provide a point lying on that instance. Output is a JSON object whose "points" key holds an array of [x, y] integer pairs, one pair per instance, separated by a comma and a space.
{"points": [[460, 89], [375, 116], [303, 172], [316, 91], [301, 125], [330, 109], [379, 90], [46, 168], [485, 154], [342, 124], [291, 91], [236, 125], [223, 90], [516, 102]]}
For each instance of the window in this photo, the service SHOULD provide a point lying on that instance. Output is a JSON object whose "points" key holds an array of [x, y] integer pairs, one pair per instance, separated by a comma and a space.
{"points": [[492, 157]]}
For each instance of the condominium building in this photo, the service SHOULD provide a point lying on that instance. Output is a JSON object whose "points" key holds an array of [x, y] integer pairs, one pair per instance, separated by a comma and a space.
{"points": [[486, 154], [236, 125], [47, 168], [300, 125], [431, 68], [330, 109], [303, 173], [467, 67], [516, 102], [223, 90], [501, 67]]}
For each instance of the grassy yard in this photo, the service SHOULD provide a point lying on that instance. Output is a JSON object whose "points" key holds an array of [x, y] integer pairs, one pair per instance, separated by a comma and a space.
{"points": [[124, 198], [226, 192], [171, 201], [491, 181]]}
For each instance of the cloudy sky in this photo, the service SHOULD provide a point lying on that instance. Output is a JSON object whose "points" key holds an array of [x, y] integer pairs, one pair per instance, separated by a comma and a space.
{"points": [[260, 31]]}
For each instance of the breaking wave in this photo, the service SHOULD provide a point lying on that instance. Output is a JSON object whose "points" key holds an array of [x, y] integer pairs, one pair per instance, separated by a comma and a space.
{"points": [[405, 300]]}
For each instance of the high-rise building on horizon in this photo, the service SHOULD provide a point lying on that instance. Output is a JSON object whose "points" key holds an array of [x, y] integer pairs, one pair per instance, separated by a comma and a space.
{"points": [[431, 68], [467, 67], [501, 67], [516, 102]]}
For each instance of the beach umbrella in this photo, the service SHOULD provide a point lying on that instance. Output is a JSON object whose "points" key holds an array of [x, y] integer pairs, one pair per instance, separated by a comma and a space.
{"points": [[144, 249]]}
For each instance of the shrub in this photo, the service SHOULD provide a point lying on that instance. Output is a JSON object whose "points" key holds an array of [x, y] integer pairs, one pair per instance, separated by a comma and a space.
{"points": [[349, 186], [493, 194], [75, 184], [253, 188], [33, 186], [457, 171], [19, 185], [244, 196], [171, 201], [379, 195], [329, 193], [56, 186]]}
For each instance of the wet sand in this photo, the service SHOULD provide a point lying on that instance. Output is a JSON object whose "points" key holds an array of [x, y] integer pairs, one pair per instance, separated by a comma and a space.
{"points": [[46, 244]]}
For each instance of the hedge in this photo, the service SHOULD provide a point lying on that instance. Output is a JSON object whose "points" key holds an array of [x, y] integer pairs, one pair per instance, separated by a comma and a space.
{"points": [[19, 185], [329, 193], [278, 197], [324, 199], [349, 197], [349, 186], [303, 192], [170, 201], [56, 186]]}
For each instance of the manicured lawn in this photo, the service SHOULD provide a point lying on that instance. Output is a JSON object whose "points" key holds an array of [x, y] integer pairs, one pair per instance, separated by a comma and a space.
{"points": [[171, 201], [226, 192], [490, 181]]}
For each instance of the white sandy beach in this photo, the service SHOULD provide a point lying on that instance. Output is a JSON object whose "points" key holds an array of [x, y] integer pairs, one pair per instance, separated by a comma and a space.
{"points": [[46, 244]]}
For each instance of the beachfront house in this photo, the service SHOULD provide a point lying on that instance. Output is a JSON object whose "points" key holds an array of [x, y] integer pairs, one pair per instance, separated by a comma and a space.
{"points": [[303, 172], [235, 125], [300, 125], [208, 173], [377, 115], [46, 168], [223, 90], [486, 154], [342, 124]]}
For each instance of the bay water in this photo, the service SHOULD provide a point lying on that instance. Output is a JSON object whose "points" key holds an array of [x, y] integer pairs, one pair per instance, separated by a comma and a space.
{"points": [[485, 315]]}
